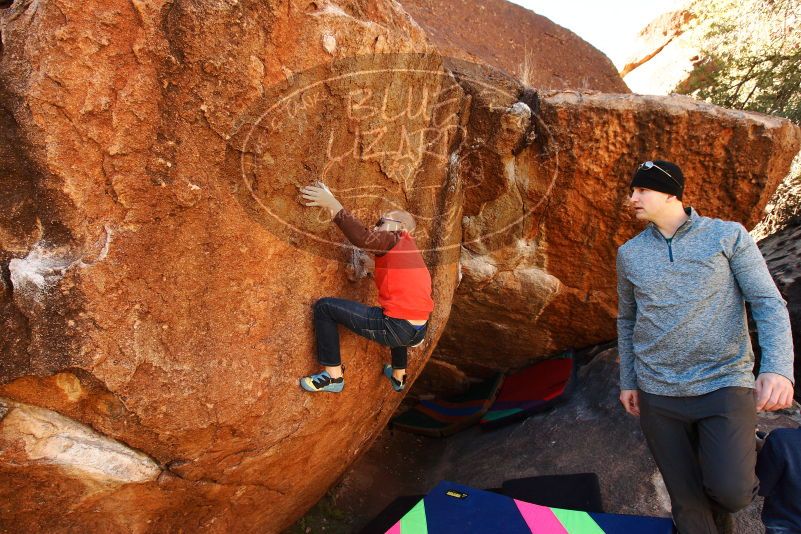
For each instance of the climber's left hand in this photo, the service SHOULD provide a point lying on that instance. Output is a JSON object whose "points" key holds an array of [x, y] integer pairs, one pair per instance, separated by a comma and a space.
{"points": [[367, 263]]}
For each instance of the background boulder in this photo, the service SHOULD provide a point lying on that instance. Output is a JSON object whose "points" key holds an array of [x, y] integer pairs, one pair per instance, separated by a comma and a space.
{"points": [[551, 285]]}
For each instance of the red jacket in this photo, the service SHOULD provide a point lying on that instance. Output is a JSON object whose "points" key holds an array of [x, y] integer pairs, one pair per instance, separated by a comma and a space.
{"points": [[403, 280]]}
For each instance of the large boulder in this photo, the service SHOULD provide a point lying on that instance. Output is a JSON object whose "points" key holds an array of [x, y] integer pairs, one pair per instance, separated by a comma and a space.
{"points": [[549, 283], [511, 38], [158, 270]]}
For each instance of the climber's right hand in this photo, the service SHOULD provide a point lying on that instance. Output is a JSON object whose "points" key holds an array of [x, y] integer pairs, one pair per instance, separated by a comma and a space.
{"points": [[320, 195]]}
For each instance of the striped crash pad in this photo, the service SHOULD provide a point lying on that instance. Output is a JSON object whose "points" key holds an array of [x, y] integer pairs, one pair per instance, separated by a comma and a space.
{"points": [[439, 418], [453, 508], [531, 390]]}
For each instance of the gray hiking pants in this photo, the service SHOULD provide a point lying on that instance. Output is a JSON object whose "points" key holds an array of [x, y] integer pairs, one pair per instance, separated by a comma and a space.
{"points": [[704, 447]]}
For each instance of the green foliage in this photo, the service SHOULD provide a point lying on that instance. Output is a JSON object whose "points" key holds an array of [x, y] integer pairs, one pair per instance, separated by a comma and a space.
{"points": [[752, 51]]}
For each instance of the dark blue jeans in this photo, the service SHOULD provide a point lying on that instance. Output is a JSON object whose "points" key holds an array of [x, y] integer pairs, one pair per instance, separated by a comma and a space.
{"points": [[367, 321]]}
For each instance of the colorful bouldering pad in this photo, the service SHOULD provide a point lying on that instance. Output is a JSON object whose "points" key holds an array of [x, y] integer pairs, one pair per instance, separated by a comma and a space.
{"points": [[454, 508], [391, 514], [439, 418], [578, 491], [531, 390]]}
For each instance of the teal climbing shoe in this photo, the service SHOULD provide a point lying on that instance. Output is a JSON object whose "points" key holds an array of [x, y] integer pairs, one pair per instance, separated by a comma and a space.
{"points": [[322, 382], [396, 385]]}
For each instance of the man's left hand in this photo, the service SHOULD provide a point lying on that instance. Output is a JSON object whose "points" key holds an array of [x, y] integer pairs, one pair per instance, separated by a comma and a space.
{"points": [[773, 392]]}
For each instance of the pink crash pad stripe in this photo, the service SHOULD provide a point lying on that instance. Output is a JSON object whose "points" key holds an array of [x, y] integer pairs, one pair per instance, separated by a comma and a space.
{"points": [[540, 519], [396, 529]]}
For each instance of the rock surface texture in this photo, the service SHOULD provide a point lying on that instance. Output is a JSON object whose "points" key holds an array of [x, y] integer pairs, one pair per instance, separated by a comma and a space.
{"points": [[158, 271], [509, 37], [552, 286], [782, 252], [784, 207]]}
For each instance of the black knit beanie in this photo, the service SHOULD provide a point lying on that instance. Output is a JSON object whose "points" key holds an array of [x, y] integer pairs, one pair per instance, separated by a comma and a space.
{"points": [[661, 176]]}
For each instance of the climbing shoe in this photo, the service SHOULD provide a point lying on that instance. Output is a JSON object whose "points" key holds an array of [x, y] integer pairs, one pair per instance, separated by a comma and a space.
{"points": [[322, 382], [396, 384]]}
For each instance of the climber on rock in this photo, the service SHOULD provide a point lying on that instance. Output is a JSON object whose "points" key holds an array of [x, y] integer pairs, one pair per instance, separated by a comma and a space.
{"points": [[404, 295]]}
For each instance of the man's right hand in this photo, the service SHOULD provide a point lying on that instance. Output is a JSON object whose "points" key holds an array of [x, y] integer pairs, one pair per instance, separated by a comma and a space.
{"points": [[630, 399]]}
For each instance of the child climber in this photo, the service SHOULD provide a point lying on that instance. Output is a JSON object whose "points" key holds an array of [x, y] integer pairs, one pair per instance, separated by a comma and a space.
{"points": [[404, 295]]}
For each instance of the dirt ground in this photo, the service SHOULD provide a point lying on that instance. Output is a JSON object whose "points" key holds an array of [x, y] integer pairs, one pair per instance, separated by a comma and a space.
{"points": [[588, 433]]}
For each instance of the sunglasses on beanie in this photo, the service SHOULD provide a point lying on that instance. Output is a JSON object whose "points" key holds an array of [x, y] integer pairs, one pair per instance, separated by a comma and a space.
{"points": [[651, 165]]}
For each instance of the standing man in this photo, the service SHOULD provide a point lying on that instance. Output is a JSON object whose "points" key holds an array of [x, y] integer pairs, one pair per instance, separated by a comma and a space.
{"points": [[686, 361], [404, 295]]}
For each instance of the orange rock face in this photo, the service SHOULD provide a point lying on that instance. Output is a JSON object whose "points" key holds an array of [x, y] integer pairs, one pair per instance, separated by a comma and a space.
{"points": [[158, 270], [552, 286]]}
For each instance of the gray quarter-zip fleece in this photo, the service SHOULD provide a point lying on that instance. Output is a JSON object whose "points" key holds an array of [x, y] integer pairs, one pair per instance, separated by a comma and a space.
{"points": [[682, 328]]}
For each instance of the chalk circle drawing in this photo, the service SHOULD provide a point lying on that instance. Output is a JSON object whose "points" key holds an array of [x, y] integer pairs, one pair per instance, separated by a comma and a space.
{"points": [[382, 132]]}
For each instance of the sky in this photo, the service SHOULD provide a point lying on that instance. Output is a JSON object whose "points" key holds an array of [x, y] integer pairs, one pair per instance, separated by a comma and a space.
{"points": [[611, 25]]}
